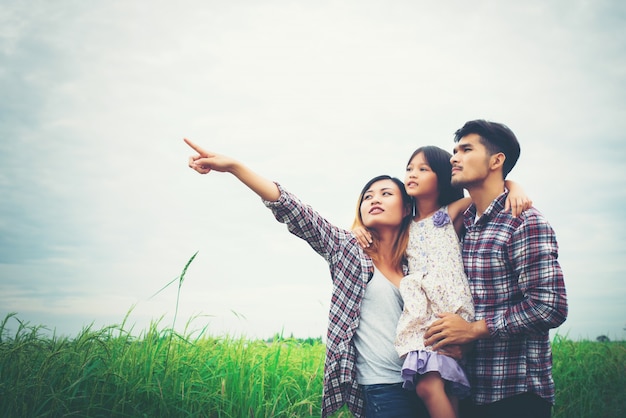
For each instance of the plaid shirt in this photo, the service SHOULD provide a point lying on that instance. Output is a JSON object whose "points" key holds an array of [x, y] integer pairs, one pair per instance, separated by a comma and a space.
{"points": [[351, 269], [518, 289]]}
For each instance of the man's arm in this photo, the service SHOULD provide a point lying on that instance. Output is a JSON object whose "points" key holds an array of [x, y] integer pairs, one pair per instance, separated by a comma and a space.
{"points": [[534, 256]]}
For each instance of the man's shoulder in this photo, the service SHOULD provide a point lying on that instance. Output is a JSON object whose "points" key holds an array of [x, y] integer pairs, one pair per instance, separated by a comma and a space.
{"points": [[532, 216], [530, 223]]}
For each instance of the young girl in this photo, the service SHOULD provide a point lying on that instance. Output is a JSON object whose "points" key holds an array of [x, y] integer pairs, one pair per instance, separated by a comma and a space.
{"points": [[436, 282]]}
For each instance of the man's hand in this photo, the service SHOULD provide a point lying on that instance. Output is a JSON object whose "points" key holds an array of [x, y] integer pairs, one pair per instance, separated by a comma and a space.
{"points": [[451, 329]]}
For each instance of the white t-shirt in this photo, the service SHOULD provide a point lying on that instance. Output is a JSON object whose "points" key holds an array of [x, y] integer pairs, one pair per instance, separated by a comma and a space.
{"points": [[377, 361]]}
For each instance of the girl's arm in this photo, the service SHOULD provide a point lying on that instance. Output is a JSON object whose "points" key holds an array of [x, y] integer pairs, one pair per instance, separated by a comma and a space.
{"points": [[516, 201], [206, 161], [455, 211], [363, 236]]}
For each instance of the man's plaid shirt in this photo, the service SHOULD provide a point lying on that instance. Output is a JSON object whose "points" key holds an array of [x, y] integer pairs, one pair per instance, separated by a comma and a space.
{"points": [[351, 269], [518, 289]]}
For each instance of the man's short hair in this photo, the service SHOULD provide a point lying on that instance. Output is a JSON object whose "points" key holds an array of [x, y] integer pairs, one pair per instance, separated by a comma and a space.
{"points": [[496, 137]]}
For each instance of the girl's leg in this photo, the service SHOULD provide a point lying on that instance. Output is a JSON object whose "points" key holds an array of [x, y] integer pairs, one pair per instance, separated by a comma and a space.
{"points": [[455, 405], [431, 389]]}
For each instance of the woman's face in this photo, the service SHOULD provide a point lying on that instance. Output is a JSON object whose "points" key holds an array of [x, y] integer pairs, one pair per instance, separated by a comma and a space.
{"points": [[382, 205]]}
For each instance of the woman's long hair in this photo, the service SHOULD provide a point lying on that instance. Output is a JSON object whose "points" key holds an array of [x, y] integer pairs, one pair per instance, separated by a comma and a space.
{"points": [[402, 239]]}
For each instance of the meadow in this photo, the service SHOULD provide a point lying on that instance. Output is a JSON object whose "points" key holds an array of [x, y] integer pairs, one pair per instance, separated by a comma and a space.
{"points": [[110, 373]]}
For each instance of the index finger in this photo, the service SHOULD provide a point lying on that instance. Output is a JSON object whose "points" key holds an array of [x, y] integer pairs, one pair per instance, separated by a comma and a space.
{"points": [[195, 147]]}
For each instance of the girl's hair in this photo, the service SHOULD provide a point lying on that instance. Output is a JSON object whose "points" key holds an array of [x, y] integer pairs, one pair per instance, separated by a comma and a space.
{"points": [[439, 161], [400, 244]]}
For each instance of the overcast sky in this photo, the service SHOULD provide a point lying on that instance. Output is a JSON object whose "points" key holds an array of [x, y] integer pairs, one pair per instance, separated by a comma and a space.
{"points": [[98, 209]]}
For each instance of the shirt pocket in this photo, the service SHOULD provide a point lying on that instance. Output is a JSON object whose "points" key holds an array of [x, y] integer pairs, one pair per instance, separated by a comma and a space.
{"points": [[491, 278]]}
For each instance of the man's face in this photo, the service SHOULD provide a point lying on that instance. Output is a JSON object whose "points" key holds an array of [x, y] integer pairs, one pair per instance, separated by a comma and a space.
{"points": [[470, 162]]}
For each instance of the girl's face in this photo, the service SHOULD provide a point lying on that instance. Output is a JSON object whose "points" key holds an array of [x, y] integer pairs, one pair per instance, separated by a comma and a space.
{"points": [[382, 205], [420, 180]]}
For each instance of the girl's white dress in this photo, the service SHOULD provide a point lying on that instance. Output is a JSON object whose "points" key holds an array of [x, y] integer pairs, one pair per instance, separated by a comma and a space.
{"points": [[436, 284]]}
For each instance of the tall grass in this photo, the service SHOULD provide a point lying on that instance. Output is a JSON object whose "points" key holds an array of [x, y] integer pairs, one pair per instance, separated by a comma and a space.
{"points": [[590, 378], [180, 280], [109, 373], [161, 373]]}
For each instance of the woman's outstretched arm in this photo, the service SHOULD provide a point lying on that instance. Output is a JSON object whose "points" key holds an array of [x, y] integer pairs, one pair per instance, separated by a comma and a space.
{"points": [[207, 161]]}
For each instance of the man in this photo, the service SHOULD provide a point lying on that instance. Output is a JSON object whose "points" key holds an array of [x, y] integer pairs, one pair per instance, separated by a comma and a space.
{"points": [[516, 283]]}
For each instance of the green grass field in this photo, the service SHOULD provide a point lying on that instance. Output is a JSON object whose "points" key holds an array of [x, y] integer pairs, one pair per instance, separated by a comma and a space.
{"points": [[109, 373]]}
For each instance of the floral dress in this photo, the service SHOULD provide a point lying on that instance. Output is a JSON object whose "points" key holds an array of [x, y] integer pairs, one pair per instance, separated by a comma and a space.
{"points": [[436, 284]]}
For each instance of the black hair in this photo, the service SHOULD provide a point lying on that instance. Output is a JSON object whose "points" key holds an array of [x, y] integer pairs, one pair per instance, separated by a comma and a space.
{"points": [[405, 197], [439, 161], [496, 137]]}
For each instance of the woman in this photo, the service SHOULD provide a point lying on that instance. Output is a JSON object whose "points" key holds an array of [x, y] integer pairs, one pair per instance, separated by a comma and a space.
{"points": [[362, 368]]}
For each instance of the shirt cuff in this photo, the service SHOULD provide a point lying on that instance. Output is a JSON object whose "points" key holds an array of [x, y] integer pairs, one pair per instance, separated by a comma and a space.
{"points": [[496, 326], [281, 199]]}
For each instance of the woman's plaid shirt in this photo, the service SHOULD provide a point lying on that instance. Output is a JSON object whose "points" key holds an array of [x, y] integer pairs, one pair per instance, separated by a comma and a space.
{"points": [[351, 269], [518, 289]]}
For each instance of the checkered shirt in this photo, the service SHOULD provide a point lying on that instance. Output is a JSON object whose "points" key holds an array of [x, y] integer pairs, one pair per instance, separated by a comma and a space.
{"points": [[351, 269], [518, 289]]}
